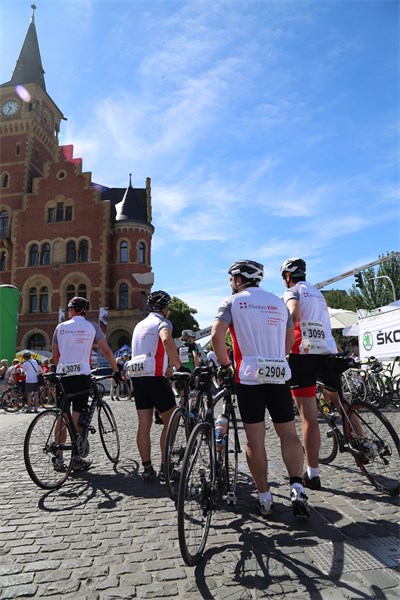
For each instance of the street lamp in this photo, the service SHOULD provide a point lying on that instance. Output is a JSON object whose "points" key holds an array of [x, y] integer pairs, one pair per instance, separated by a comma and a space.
{"points": [[385, 277]]}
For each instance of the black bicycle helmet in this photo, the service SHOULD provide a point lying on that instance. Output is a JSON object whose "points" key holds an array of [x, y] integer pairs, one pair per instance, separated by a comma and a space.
{"points": [[26, 355], [249, 269], [80, 305], [158, 300], [294, 266]]}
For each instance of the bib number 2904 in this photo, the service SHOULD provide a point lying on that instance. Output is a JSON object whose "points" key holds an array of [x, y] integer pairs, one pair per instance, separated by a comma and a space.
{"points": [[270, 371]]}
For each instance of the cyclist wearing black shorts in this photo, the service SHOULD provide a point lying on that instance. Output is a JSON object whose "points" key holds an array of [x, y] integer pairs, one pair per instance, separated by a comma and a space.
{"points": [[262, 333], [311, 357], [71, 352], [152, 346]]}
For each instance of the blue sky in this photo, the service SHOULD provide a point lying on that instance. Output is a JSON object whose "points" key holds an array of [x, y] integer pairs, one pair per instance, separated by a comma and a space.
{"points": [[270, 129]]}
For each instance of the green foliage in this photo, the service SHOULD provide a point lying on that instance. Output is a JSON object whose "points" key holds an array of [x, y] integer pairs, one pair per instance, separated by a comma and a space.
{"points": [[338, 299], [181, 317], [378, 290]]}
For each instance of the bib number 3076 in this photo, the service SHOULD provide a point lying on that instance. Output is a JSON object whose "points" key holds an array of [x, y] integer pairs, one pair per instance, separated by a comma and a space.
{"points": [[270, 370]]}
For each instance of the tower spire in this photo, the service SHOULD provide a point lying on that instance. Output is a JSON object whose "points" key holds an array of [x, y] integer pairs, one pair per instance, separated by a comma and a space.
{"points": [[33, 7]]}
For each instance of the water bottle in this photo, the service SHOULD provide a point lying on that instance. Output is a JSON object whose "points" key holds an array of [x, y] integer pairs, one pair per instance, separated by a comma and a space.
{"points": [[221, 427], [324, 406]]}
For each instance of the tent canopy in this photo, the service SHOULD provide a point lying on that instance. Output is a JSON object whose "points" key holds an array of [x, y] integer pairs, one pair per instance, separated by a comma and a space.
{"points": [[341, 318]]}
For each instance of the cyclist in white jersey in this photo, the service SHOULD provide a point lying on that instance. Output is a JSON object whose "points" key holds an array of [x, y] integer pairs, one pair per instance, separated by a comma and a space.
{"points": [[262, 333], [153, 349], [71, 352], [311, 357]]}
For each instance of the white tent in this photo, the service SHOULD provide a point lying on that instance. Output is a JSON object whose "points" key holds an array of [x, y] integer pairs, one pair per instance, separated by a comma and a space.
{"points": [[341, 318]]}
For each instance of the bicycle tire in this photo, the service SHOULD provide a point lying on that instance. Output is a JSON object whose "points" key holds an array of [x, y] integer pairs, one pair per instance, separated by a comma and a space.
{"points": [[378, 454], [101, 389], [41, 447], [231, 458], [174, 451], [12, 401], [47, 399], [108, 430], [195, 496], [329, 445]]}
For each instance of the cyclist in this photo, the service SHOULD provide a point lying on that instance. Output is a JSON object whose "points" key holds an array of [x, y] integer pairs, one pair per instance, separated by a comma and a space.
{"points": [[152, 346], [262, 333], [311, 357], [71, 352], [3, 371], [32, 369], [188, 351]]}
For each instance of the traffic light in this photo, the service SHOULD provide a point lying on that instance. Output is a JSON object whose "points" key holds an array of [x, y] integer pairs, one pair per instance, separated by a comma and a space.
{"points": [[359, 280]]}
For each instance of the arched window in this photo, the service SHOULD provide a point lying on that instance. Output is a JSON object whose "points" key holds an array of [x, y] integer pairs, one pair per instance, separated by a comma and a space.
{"points": [[33, 300], [123, 252], [4, 180], [83, 252], [3, 257], [71, 252], [123, 296], [142, 252], [34, 255], [44, 299], [45, 254], [4, 225], [36, 342], [82, 290], [70, 292]]}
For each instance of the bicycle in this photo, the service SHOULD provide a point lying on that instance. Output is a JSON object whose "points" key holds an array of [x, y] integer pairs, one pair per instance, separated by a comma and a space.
{"points": [[183, 419], [360, 429], [52, 435], [209, 475], [13, 399]]}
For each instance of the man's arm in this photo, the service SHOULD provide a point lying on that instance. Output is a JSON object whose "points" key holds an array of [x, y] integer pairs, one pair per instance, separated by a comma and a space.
{"points": [[170, 348], [294, 309], [108, 355], [289, 339], [218, 333], [55, 353]]}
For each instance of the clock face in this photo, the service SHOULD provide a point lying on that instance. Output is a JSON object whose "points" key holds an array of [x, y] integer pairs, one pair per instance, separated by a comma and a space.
{"points": [[9, 108]]}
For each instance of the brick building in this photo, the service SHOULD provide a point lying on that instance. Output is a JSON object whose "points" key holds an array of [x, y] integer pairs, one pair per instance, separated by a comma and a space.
{"points": [[61, 234]]}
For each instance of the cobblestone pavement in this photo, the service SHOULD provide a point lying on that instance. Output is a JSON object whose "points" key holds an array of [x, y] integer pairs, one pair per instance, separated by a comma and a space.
{"points": [[107, 535]]}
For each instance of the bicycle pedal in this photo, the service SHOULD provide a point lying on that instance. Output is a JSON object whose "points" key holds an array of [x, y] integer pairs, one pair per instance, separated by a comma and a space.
{"points": [[231, 499], [92, 429]]}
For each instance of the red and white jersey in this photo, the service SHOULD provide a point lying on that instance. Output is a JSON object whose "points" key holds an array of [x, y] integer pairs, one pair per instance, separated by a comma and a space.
{"points": [[257, 321], [75, 339], [313, 333], [149, 358]]}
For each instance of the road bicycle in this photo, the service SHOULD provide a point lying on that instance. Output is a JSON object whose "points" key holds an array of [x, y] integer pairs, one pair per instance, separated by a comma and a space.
{"points": [[353, 385], [191, 410], [13, 399], [52, 435], [209, 475], [360, 429]]}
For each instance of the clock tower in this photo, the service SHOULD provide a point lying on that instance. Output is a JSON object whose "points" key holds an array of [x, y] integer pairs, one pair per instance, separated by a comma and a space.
{"points": [[29, 122]]}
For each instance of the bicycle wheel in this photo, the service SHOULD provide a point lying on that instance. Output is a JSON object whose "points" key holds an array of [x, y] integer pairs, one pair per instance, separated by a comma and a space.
{"points": [[47, 396], [329, 444], [101, 389], [108, 432], [231, 458], [174, 451], [378, 449], [48, 449], [195, 496], [12, 401]]}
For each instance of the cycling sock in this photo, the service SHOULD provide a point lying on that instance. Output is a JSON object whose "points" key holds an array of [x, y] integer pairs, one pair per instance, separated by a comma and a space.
{"points": [[294, 480], [147, 465], [312, 472], [264, 496]]}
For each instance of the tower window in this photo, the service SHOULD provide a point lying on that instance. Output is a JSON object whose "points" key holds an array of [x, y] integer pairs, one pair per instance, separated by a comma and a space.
{"points": [[51, 215], [44, 299], [36, 342], [5, 180], [34, 255], [18, 149], [71, 252], [4, 225], [68, 213], [83, 252], [123, 252], [33, 300], [60, 212], [123, 296], [142, 252], [3, 257], [45, 254]]}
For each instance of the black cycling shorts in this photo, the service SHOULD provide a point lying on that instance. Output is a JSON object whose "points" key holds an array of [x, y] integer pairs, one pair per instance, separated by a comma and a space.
{"points": [[254, 399], [307, 369], [153, 392], [77, 383]]}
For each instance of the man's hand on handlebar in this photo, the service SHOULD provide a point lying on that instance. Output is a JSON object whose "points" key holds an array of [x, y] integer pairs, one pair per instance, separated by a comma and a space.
{"points": [[225, 371], [117, 376]]}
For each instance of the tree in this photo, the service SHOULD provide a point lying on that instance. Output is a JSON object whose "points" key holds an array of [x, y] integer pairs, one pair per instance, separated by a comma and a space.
{"points": [[181, 317], [378, 290], [338, 299]]}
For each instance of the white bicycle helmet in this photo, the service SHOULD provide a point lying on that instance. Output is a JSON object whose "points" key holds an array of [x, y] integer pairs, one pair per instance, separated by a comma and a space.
{"points": [[158, 300], [249, 269], [294, 266], [186, 334]]}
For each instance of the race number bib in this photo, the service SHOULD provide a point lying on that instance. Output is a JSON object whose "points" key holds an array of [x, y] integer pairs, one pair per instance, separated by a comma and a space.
{"points": [[270, 370], [141, 366], [71, 369], [313, 338], [184, 354]]}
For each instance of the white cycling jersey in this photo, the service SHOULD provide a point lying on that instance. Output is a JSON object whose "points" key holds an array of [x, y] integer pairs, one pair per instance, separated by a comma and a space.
{"points": [[257, 321], [75, 339], [149, 358], [313, 333]]}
